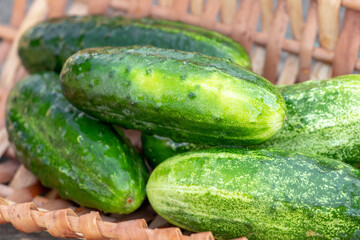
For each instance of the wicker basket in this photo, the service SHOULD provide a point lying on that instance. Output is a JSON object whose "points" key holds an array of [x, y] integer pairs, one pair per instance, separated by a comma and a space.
{"points": [[281, 60]]}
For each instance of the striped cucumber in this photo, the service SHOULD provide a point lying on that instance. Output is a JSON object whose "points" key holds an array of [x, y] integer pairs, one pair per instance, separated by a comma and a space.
{"points": [[181, 95], [47, 45], [80, 157], [323, 118], [261, 194]]}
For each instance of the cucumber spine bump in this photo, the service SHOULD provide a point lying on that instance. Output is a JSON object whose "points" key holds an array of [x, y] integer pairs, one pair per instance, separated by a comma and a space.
{"points": [[261, 194], [46, 46], [177, 94], [80, 157]]}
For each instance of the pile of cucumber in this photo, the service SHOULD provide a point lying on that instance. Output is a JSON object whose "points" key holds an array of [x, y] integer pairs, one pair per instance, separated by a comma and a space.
{"points": [[231, 152]]}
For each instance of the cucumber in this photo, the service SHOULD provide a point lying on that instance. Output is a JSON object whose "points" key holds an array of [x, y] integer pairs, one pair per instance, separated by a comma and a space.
{"points": [[261, 194], [46, 46], [80, 157], [323, 118], [156, 148], [182, 95]]}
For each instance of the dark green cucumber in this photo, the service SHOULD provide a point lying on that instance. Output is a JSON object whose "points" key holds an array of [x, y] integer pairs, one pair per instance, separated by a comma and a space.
{"points": [[47, 45], [323, 118], [80, 157], [181, 95], [261, 194], [156, 148]]}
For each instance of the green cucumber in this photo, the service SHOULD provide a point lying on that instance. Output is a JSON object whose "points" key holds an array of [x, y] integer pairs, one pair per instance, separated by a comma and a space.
{"points": [[261, 194], [46, 46], [80, 157], [182, 95], [323, 118], [157, 148]]}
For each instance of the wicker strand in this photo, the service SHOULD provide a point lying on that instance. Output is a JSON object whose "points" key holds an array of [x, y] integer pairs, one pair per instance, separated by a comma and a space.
{"points": [[246, 20], [56, 8], [348, 45], [98, 7], [10, 153], [36, 13], [3, 96], [179, 9], [228, 10], [259, 53], [8, 170], [166, 3], [290, 70], [197, 7], [56, 204], [88, 226], [3, 202], [171, 10], [139, 8], [18, 13], [65, 223], [21, 217], [25, 194], [307, 42], [4, 49], [121, 5], [291, 66], [22, 178], [4, 144], [296, 18], [210, 13], [78, 8], [328, 22], [7, 33], [273, 46], [267, 14], [5, 191], [351, 4], [328, 18], [161, 11], [58, 225], [21, 73]]}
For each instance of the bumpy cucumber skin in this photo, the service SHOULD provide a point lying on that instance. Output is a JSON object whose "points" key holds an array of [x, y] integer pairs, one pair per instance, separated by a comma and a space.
{"points": [[83, 159], [46, 46], [323, 118], [261, 194], [157, 149], [181, 95]]}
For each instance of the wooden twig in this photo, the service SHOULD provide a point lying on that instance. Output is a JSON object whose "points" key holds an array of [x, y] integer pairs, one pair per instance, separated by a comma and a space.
{"points": [[8, 170], [37, 12], [23, 178], [4, 143], [7, 33]]}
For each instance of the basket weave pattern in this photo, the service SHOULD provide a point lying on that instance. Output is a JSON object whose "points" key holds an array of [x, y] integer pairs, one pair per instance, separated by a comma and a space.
{"points": [[336, 54]]}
